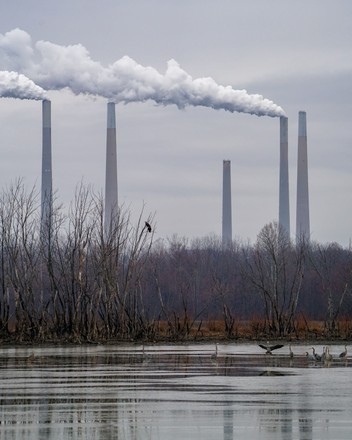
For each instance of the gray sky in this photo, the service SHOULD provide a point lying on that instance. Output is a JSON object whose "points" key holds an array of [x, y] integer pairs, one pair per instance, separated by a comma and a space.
{"points": [[296, 54]]}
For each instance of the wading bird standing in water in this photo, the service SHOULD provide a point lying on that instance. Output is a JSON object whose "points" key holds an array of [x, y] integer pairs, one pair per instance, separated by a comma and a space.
{"points": [[270, 348], [310, 357], [215, 355], [328, 355], [343, 355], [317, 356], [291, 352]]}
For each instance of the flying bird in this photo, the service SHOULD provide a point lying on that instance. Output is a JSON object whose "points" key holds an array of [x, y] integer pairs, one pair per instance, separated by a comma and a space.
{"points": [[149, 228], [270, 348]]}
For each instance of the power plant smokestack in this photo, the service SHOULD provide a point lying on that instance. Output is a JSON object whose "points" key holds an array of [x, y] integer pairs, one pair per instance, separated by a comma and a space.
{"points": [[46, 191], [226, 204], [111, 201], [302, 212], [284, 203]]}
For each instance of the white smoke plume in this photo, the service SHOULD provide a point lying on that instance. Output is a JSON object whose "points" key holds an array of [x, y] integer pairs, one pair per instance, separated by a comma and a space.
{"points": [[15, 85], [55, 67]]}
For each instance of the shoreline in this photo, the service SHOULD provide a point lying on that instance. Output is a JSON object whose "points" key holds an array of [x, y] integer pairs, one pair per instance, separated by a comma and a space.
{"points": [[203, 341]]}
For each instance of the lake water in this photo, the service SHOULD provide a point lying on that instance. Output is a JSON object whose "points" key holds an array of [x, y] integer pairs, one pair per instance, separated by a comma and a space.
{"points": [[173, 392]]}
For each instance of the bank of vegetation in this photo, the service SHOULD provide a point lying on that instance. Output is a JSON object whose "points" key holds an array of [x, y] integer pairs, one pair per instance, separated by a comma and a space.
{"points": [[68, 280]]}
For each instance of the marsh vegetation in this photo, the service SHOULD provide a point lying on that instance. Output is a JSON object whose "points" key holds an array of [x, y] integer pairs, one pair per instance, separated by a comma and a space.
{"points": [[65, 278]]}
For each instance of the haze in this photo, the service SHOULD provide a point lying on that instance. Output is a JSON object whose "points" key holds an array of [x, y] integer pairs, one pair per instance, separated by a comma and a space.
{"points": [[298, 55]]}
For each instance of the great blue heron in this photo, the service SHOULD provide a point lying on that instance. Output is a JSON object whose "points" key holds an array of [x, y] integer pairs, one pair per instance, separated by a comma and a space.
{"points": [[328, 355], [145, 356], [310, 357], [316, 356], [270, 348], [291, 352], [343, 355], [215, 355]]}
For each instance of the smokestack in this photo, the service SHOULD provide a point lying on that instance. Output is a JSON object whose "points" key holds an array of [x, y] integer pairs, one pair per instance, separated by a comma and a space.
{"points": [[226, 204], [302, 212], [284, 203], [46, 195], [111, 202]]}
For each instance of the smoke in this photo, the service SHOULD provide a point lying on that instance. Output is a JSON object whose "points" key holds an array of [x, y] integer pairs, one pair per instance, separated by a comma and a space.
{"points": [[14, 85], [54, 67]]}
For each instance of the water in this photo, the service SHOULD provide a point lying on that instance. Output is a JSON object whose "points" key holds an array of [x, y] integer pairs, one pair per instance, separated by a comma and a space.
{"points": [[173, 392]]}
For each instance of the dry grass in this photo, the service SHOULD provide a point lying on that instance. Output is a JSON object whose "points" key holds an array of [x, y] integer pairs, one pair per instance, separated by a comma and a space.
{"points": [[212, 329], [256, 329]]}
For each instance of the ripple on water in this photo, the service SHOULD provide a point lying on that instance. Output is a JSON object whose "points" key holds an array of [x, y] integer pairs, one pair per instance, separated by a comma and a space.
{"points": [[169, 392]]}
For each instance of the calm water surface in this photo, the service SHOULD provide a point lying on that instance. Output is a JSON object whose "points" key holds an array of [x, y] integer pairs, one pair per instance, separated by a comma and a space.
{"points": [[173, 392]]}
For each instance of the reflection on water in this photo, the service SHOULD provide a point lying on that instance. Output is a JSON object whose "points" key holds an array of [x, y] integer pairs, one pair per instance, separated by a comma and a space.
{"points": [[171, 392]]}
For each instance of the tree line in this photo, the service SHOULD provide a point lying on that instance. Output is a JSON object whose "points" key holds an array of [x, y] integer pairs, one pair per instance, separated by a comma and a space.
{"points": [[66, 278]]}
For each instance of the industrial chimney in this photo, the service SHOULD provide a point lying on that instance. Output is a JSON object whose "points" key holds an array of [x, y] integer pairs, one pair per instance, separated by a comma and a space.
{"points": [[46, 192], [111, 202], [284, 203], [226, 204], [302, 212]]}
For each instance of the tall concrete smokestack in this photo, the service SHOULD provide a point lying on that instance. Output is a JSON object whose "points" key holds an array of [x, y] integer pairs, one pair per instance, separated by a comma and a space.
{"points": [[302, 212], [226, 204], [284, 201], [111, 201], [46, 194]]}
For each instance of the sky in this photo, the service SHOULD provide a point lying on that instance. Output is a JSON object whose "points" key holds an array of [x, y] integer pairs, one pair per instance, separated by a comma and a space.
{"points": [[171, 144]]}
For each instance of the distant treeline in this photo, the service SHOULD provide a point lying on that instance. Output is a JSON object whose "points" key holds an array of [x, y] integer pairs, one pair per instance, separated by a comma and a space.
{"points": [[66, 278]]}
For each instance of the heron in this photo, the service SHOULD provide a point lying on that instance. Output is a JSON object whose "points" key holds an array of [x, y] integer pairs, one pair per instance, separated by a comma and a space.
{"points": [[215, 354], [343, 355], [328, 355], [316, 356], [270, 348], [291, 352], [309, 357], [145, 356]]}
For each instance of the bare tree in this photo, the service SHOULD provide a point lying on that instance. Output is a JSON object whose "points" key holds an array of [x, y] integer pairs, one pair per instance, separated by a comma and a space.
{"points": [[20, 256], [333, 266], [118, 262], [69, 278], [275, 268]]}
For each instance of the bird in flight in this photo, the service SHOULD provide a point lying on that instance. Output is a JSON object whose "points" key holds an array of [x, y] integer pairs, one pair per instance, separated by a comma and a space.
{"points": [[270, 348]]}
